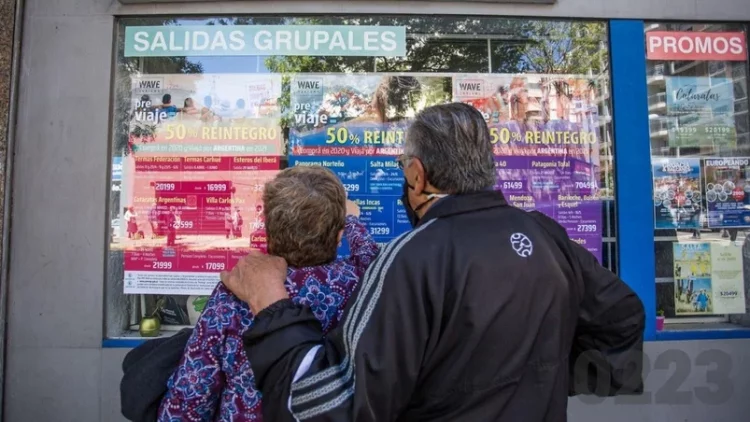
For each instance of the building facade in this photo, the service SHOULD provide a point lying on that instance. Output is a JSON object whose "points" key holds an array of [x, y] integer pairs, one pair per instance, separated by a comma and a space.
{"points": [[144, 130]]}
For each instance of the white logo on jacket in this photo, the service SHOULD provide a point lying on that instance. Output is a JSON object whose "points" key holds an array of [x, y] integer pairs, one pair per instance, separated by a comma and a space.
{"points": [[521, 244]]}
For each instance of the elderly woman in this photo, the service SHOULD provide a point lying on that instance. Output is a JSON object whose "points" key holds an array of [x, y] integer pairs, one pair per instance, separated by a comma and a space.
{"points": [[306, 215]]}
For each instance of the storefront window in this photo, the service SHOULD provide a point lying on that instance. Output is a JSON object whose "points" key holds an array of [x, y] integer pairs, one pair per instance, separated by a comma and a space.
{"points": [[208, 109], [700, 155]]}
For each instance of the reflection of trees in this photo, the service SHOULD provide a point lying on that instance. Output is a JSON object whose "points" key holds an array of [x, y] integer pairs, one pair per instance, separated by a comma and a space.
{"points": [[127, 67]]}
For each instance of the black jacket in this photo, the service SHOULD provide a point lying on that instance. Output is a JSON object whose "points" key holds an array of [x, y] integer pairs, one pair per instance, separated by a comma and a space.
{"points": [[479, 314], [146, 370]]}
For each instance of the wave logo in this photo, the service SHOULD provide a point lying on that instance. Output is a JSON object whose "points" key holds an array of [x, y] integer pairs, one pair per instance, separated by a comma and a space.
{"points": [[521, 243]]}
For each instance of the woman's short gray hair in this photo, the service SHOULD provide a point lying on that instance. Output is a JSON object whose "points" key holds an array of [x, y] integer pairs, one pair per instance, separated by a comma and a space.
{"points": [[453, 143]]}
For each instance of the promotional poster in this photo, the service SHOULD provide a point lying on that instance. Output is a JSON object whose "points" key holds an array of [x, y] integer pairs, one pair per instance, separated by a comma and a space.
{"points": [[546, 141], [677, 193], [702, 111], [355, 125], [727, 191], [708, 278], [201, 149]]}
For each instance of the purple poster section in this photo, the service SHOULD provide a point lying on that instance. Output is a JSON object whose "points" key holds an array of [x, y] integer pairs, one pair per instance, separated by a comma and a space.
{"points": [[546, 135], [561, 189]]}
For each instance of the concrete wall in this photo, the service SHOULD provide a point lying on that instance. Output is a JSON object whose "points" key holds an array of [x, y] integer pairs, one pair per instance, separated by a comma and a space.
{"points": [[7, 20], [56, 368]]}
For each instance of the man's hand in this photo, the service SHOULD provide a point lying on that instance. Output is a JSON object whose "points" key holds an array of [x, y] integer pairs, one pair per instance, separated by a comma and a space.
{"points": [[258, 280]]}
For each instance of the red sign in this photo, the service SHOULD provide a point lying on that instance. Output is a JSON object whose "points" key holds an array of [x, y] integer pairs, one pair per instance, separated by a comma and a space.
{"points": [[722, 46]]}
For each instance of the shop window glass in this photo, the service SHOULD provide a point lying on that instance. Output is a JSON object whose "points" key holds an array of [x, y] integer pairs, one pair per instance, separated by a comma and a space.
{"points": [[202, 120], [700, 149]]}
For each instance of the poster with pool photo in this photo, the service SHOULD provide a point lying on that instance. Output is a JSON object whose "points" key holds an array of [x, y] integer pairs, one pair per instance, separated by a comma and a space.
{"points": [[677, 193], [692, 275], [727, 191]]}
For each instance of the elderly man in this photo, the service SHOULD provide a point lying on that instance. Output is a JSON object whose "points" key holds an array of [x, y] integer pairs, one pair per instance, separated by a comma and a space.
{"points": [[480, 313]]}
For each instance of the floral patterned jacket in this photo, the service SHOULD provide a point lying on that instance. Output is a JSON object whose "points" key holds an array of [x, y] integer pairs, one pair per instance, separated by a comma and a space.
{"points": [[214, 381]]}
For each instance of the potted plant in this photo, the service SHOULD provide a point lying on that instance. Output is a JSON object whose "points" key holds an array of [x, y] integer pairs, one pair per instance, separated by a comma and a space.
{"points": [[659, 320], [150, 325]]}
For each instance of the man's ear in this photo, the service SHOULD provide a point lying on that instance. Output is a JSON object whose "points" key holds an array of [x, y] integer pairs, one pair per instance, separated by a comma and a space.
{"points": [[419, 176]]}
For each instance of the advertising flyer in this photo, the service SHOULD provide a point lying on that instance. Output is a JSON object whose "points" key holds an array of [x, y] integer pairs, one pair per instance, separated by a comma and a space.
{"points": [[677, 193], [355, 125], [708, 278], [727, 278], [546, 142], [727, 191], [702, 109], [201, 149]]}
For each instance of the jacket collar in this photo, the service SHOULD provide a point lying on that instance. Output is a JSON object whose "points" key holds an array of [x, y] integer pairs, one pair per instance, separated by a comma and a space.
{"points": [[465, 203]]}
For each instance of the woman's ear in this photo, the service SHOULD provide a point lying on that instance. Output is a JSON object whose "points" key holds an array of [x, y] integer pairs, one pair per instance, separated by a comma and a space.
{"points": [[341, 236]]}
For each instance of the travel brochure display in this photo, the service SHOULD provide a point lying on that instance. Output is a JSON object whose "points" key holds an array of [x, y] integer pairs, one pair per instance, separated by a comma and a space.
{"points": [[546, 141], [701, 110], [684, 188], [727, 191], [708, 278], [200, 150], [355, 125], [677, 193]]}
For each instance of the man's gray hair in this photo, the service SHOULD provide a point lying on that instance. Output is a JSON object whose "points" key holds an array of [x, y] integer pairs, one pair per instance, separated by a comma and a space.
{"points": [[453, 143]]}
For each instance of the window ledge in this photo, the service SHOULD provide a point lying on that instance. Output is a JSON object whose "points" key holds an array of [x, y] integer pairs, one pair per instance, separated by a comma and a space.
{"points": [[132, 339], [710, 331]]}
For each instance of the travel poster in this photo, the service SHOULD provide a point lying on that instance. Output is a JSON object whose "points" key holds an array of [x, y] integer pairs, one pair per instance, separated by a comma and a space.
{"points": [[355, 125], [727, 191], [677, 193], [702, 112], [546, 137], [201, 148], [708, 278]]}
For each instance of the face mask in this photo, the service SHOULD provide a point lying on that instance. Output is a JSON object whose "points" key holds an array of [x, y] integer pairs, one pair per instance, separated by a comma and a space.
{"points": [[411, 213]]}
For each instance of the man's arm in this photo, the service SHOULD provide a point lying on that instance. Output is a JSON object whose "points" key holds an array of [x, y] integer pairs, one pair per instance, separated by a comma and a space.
{"points": [[608, 343], [609, 334], [366, 368]]}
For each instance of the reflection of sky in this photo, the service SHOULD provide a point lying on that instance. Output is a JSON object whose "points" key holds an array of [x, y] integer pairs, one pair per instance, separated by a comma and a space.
{"points": [[232, 64]]}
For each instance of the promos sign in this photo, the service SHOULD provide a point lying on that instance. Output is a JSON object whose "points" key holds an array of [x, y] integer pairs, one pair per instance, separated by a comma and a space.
{"points": [[201, 148], [677, 197], [265, 40], [546, 144], [702, 110], [708, 278], [722, 46]]}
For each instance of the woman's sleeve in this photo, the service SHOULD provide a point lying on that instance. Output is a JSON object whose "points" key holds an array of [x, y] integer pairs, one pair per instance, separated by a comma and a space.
{"points": [[194, 391], [362, 246]]}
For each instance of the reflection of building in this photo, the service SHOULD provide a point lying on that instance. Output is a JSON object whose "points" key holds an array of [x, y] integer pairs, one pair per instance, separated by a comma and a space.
{"points": [[663, 125]]}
